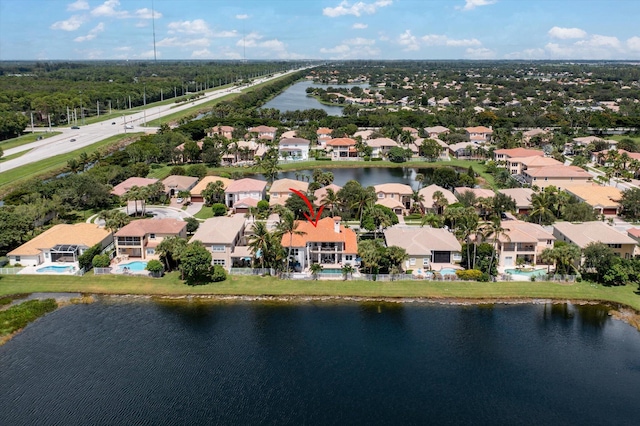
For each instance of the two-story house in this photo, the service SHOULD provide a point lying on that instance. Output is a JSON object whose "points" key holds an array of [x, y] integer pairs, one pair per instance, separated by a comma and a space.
{"points": [[427, 248], [380, 146], [245, 188], [517, 165], [329, 244], [140, 238], [582, 234], [264, 132], [396, 196], [559, 176], [280, 190], [224, 131], [479, 133], [224, 237], [502, 156], [436, 131], [342, 149], [324, 135], [293, 149], [521, 240]]}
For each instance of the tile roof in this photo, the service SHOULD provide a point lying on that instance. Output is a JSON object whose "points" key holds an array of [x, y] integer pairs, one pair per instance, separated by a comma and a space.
{"points": [[478, 129], [536, 161], [142, 227], [83, 234], [341, 142], [123, 187], [588, 232], [596, 195], [427, 193], [246, 185], [263, 129], [421, 241], [381, 142], [219, 230], [179, 182], [523, 232], [393, 188], [558, 172], [324, 131], [519, 152], [283, 185], [322, 192], [392, 203], [202, 185], [323, 233], [436, 129], [522, 196], [480, 192], [294, 141]]}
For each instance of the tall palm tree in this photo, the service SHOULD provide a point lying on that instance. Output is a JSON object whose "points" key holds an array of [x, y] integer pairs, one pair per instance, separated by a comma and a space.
{"points": [[433, 220], [260, 242], [496, 231], [315, 269], [541, 204], [439, 201], [347, 270], [331, 199], [287, 225], [416, 201]]}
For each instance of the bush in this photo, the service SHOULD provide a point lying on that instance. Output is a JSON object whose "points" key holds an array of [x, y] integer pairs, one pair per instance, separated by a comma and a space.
{"points": [[219, 209], [178, 170], [155, 267], [470, 275], [86, 259], [379, 159], [367, 158], [156, 166], [218, 274], [101, 261], [323, 159]]}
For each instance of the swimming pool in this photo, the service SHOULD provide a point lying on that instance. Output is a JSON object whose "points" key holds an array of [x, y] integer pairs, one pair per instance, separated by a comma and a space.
{"points": [[447, 271], [136, 266], [534, 273], [56, 269]]}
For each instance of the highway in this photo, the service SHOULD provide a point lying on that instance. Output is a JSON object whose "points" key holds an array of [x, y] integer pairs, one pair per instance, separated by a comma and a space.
{"points": [[90, 134]]}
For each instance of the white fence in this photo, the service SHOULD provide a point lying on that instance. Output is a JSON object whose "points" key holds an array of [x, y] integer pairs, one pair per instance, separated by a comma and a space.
{"points": [[101, 271], [10, 271]]}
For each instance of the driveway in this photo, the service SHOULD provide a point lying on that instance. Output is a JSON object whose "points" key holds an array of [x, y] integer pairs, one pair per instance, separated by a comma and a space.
{"points": [[158, 212]]}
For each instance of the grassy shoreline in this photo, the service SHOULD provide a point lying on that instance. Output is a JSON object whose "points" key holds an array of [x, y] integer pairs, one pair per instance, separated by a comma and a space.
{"points": [[255, 286]]}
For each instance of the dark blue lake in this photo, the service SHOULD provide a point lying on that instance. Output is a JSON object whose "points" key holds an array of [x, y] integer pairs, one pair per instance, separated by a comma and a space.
{"points": [[145, 363]]}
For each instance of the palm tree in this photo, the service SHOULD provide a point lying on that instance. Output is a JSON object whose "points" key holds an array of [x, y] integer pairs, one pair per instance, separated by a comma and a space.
{"points": [[547, 257], [416, 198], [541, 204], [433, 220], [331, 199], [347, 270], [288, 225], [420, 180], [260, 241], [315, 269], [496, 231], [439, 201]]}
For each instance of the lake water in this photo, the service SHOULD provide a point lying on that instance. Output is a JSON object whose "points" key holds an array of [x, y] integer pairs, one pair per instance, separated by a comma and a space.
{"points": [[126, 361], [295, 98], [367, 176]]}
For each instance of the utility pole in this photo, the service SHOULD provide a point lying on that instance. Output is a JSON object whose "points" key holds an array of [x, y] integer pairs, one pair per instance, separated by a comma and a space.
{"points": [[31, 121], [161, 96], [49, 116], [98, 107], [129, 101], [68, 117], [144, 94]]}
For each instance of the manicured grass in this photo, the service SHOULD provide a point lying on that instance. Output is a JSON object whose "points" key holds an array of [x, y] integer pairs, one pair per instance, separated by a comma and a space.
{"points": [[25, 139], [271, 286], [17, 317], [204, 213], [195, 110], [55, 164]]}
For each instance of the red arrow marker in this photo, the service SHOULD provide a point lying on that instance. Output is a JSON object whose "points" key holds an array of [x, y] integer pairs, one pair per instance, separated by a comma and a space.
{"points": [[315, 217]]}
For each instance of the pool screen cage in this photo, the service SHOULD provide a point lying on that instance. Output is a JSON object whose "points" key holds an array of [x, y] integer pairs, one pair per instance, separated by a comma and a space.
{"points": [[64, 253]]}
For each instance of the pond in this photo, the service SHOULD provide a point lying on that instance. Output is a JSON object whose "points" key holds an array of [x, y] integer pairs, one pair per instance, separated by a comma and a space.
{"points": [[133, 361]]}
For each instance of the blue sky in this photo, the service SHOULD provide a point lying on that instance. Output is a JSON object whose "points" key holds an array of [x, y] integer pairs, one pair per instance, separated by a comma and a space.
{"points": [[320, 29]]}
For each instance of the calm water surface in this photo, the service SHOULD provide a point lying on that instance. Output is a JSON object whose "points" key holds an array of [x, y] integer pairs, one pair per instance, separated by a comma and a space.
{"points": [[295, 98], [147, 363], [366, 176]]}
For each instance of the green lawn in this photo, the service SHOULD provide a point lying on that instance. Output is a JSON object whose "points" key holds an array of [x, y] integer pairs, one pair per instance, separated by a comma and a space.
{"points": [[204, 213], [54, 164], [25, 139], [269, 286]]}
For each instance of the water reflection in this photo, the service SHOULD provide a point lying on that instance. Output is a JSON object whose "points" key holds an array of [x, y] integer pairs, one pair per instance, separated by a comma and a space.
{"points": [[295, 98]]}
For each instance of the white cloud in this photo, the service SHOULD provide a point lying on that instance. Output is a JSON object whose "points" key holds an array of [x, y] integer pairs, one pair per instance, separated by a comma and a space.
{"points": [[204, 53], [360, 41], [267, 48], [197, 26], [71, 24], [92, 33], [356, 9], [566, 33], [597, 41], [78, 5], [225, 34], [633, 44], [409, 41], [355, 51], [250, 40], [472, 4], [243, 16], [595, 46], [480, 53], [147, 14], [443, 40], [341, 48], [176, 41], [535, 53], [108, 8], [359, 26]]}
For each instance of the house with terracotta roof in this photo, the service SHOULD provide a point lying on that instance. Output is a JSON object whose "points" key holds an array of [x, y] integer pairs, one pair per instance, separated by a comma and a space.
{"points": [[605, 200], [176, 183], [60, 244], [364, 134], [324, 135], [380, 146], [245, 188], [601, 157], [264, 132], [502, 156], [522, 198], [436, 131], [342, 149], [427, 194], [196, 191], [427, 248], [294, 149], [530, 134], [517, 165], [582, 234], [123, 187], [139, 238], [521, 240], [396, 196], [412, 131], [329, 244], [559, 176], [224, 131], [479, 133], [280, 190], [224, 237]]}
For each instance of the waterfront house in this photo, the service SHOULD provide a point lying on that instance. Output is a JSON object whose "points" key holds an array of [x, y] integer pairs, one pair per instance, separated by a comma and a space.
{"points": [[342, 149], [60, 243], [196, 191], [380, 146], [173, 184], [224, 237], [521, 240], [245, 188], [502, 156], [329, 244], [559, 176], [427, 248], [517, 165], [463, 150], [324, 135], [321, 193], [479, 133], [582, 234], [294, 149], [139, 238], [280, 190], [605, 200], [396, 196], [264, 132]]}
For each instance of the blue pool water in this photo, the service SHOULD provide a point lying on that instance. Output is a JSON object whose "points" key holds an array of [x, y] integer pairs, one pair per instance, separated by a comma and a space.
{"points": [[447, 271], [55, 269], [534, 273], [136, 266]]}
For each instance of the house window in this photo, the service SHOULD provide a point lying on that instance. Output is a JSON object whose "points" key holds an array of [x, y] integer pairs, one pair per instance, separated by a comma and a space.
{"points": [[380, 195], [17, 258], [549, 242], [425, 261], [151, 251], [152, 236], [412, 261], [220, 262], [615, 245], [217, 248], [348, 257]]}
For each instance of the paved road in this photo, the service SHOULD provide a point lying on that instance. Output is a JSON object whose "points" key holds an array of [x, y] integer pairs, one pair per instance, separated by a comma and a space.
{"points": [[92, 133]]}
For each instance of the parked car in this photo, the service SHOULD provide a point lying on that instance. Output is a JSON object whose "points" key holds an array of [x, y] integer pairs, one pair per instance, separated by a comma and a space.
{"points": [[129, 126], [72, 140], [75, 127], [113, 122], [179, 200]]}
